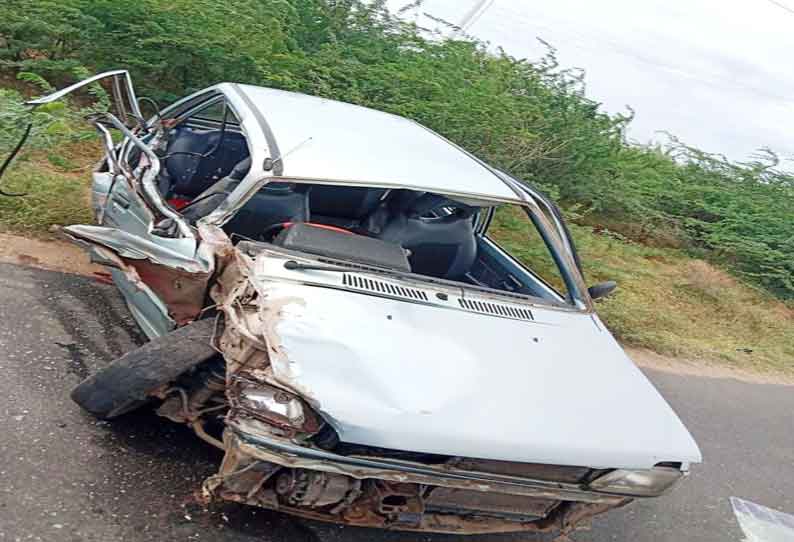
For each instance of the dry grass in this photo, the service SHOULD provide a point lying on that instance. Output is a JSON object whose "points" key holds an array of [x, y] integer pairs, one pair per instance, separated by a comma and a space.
{"points": [[673, 304], [689, 308], [57, 186]]}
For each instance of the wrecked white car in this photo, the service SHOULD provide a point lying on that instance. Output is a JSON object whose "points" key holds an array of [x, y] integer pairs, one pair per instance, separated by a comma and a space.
{"points": [[333, 301]]}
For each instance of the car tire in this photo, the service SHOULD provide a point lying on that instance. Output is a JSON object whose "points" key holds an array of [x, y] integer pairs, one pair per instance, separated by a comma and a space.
{"points": [[126, 383]]}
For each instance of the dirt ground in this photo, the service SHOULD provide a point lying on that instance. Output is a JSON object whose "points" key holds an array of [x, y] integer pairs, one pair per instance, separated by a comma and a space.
{"points": [[55, 255], [703, 368], [61, 255]]}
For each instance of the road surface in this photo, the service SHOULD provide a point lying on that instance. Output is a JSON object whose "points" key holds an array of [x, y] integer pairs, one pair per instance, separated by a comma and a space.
{"points": [[65, 476]]}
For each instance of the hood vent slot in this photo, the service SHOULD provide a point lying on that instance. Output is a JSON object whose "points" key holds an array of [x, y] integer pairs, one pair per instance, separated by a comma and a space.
{"points": [[496, 309], [381, 287]]}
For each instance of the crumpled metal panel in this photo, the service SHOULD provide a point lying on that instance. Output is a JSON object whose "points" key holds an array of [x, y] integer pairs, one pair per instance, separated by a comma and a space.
{"points": [[391, 374], [174, 270], [171, 252]]}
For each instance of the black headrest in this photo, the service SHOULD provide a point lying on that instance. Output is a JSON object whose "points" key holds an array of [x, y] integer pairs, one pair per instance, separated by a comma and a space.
{"points": [[240, 169], [350, 202], [421, 204]]}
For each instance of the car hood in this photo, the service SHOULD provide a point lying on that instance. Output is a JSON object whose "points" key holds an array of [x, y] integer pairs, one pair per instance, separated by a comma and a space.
{"points": [[412, 375]]}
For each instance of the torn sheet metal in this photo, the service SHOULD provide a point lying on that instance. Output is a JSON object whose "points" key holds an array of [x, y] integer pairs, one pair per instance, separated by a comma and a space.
{"points": [[149, 168], [131, 102], [176, 280], [176, 253], [182, 292]]}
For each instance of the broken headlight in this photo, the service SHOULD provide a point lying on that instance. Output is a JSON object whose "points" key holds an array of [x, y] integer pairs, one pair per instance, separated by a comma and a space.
{"points": [[638, 483], [277, 407]]}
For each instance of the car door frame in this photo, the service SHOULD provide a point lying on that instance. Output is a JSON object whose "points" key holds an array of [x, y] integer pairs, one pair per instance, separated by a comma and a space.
{"points": [[162, 273], [551, 227], [163, 269]]}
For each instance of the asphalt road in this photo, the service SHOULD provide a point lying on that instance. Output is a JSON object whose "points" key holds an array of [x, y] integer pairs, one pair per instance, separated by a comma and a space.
{"points": [[65, 476]]}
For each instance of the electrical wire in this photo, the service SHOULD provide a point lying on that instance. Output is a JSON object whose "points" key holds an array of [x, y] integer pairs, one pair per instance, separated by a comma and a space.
{"points": [[11, 157], [781, 5], [479, 14]]}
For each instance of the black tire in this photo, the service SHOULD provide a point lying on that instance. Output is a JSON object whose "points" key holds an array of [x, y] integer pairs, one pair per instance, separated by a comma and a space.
{"points": [[125, 384]]}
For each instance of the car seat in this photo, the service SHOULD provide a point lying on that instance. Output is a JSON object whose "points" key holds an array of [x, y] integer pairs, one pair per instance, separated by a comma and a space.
{"points": [[342, 205], [191, 170], [273, 203], [438, 232]]}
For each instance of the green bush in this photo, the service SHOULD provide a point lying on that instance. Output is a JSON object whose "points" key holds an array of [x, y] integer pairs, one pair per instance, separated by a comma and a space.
{"points": [[53, 123], [532, 119]]}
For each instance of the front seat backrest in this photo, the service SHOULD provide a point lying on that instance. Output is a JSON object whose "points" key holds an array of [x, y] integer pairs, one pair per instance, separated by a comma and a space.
{"points": [[209, 199], [195, 162], [443, 247], [273, 203], [351, 203]]}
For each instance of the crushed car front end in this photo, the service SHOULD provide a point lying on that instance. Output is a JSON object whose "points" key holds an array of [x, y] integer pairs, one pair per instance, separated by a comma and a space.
{"points": [[353, 443], [373, 487]]}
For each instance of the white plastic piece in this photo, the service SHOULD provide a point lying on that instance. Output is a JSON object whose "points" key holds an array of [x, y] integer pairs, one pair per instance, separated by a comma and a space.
{"points": [[762, 524]]}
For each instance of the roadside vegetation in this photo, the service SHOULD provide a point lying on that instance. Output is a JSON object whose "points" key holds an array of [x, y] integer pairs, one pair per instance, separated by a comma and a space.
{"points": [[49, 180], [668, 300], [702, 248]]}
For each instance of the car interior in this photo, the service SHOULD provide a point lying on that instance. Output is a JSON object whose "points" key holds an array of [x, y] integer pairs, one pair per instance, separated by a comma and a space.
{"points": [[203, 162]]}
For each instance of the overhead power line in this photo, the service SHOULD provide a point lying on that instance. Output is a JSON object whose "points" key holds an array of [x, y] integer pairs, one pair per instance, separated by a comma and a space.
{"points": [[781, 5], [480, 14], [476, 11]]}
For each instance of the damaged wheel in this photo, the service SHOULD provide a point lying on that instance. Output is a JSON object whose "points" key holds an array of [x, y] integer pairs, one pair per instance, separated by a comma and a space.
{"points": [[127, 383]]}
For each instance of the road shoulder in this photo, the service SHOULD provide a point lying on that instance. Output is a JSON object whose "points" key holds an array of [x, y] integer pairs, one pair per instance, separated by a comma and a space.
{"points": [[51, 254], [647, 359]]}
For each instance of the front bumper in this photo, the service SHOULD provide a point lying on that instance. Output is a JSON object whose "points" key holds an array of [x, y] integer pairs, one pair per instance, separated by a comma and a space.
{"points": [[287, 454], [395, 494]]}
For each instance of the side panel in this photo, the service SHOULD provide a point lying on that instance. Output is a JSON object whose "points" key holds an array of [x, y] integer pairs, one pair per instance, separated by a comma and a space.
{"points": [[116, 205], [124, 209], [124, 98], [163, 280], [151, 315]]}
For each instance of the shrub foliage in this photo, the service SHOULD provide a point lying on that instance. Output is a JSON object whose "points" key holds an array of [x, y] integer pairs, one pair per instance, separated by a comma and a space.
{"points": [[532, 119]]}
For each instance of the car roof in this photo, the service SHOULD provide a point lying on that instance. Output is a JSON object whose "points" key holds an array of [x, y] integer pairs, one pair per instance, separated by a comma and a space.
{"points": [[326, 140]]}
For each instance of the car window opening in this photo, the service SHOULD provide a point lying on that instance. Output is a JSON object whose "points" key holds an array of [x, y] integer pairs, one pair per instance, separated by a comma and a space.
{"points": [[205, 157]]}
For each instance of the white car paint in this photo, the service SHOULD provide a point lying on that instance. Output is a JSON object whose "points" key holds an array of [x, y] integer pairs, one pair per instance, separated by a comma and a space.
{"points": [[431, 377], [322, 139]]}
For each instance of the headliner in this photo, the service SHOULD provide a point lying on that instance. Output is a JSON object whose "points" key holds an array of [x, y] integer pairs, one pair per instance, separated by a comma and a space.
{"points": [[327, 140]]}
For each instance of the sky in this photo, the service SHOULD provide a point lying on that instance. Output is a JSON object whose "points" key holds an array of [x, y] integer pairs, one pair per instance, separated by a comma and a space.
{"points": [[718, 74]]}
